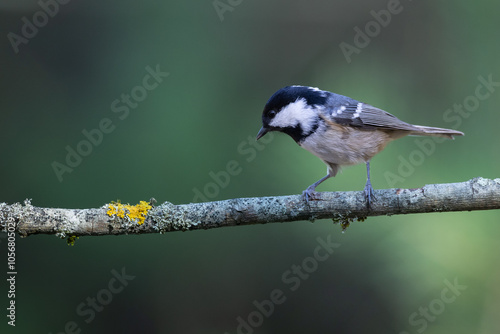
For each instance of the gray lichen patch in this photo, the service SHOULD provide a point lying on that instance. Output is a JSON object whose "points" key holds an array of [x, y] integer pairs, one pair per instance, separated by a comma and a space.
{"points": [[273, 207], [29, 219], [65, 224], [482, 185], [17, 214], [168, 217], [482, 181]]}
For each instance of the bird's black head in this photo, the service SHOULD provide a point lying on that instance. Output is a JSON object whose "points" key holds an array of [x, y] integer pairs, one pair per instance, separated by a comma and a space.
{"points": [[292, 110]]}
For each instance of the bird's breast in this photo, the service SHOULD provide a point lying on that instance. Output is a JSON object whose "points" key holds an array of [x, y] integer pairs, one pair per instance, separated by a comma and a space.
{"points": [[345, 145]]}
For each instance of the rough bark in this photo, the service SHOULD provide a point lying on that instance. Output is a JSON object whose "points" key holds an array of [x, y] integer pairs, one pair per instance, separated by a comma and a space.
{"points": [[343, 207]]}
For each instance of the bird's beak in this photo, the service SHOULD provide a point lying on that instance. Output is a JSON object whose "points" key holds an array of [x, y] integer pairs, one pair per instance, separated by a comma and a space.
{"points": [[262, 132]]}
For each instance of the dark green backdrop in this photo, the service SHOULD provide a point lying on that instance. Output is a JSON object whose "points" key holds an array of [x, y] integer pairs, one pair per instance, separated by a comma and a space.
{"points": [[421, 60]]}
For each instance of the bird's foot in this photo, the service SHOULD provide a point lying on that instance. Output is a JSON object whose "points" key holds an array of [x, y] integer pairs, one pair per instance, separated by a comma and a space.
{"points": [[310, 194], [369, 195]]}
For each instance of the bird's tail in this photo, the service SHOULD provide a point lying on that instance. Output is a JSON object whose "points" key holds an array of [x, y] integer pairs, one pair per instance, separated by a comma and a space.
{"points": [[438, 132]]}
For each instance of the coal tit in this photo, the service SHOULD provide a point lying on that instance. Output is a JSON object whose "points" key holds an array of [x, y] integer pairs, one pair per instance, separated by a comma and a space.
{"points": [[337, 129]]}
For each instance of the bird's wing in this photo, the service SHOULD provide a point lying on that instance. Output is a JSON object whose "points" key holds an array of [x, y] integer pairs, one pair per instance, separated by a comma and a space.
{"points": [[358, 114]]}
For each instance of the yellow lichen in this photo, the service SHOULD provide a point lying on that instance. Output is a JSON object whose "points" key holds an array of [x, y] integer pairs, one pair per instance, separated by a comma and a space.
{"points": [[116, 209], [71, 240], [139, 212], [136, 213]]}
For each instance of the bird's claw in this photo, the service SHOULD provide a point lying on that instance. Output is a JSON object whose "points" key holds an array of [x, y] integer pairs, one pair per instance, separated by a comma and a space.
{"points": [[369, 195], [309, 194]]}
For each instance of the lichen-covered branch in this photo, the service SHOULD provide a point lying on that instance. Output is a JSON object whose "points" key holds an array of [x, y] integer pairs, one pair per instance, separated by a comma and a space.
{"points": [[116, 218]]}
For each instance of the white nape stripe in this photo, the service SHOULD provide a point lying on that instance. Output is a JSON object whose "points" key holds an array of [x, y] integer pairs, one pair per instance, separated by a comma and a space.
{"points": [[316, 89], [298, 112]]}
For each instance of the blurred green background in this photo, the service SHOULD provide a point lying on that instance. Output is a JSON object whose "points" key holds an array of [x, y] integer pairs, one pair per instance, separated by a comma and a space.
{"points": [[388, 274]]}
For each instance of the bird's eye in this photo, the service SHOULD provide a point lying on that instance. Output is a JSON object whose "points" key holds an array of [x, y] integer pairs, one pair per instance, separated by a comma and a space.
{"points": [[271, 113]]}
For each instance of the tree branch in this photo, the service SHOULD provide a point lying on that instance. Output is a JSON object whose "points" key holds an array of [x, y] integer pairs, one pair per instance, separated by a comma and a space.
{"points": [[343, 207]]}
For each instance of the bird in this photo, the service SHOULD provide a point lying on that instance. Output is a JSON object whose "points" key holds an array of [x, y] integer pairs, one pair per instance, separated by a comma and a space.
{"points": [[339, 130]]}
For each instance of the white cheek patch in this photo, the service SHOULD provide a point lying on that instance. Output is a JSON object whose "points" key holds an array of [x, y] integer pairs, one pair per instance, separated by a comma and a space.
{"points": [[298, 112]]}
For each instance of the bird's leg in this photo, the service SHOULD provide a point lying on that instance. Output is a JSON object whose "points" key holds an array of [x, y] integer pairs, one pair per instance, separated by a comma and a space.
{"points": [[368, 187], [310, 192]]}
